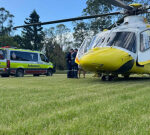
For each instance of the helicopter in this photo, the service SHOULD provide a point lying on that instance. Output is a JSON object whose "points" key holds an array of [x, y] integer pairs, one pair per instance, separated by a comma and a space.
{"points": [[122, 49]]}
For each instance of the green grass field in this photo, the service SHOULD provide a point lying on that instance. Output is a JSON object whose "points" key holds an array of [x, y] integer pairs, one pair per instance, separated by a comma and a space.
{"points": [[60, 106]]}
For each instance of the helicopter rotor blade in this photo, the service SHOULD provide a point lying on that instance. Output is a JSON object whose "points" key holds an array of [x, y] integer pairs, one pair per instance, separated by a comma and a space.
{"points": [[67, 20], [119, 3]]}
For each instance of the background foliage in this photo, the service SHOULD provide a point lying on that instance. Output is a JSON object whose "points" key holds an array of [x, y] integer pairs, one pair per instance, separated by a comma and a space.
{"points": [[56, 41]]}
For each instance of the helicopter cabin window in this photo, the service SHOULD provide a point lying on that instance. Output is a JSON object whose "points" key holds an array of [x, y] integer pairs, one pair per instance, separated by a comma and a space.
{"points": [[145, 40], [126, 40]]}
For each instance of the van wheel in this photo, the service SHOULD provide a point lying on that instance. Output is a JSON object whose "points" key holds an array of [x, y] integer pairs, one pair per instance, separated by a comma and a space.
{"points": [[19, 73], [36, 75], [49, 72], [4, 75]]}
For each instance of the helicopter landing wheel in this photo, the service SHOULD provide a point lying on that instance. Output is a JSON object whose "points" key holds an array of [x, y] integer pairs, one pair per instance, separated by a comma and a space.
{"points": [[111, 78], [126, 76], [108, 78], [103, 78]]}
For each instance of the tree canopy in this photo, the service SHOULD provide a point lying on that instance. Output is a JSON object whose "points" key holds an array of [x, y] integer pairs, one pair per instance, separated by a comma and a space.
{"points": [[33, 36], [6, 22], [54, 41]]}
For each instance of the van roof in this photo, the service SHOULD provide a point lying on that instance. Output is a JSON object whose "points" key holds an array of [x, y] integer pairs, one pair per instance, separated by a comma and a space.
{"points": [[24, 50]]}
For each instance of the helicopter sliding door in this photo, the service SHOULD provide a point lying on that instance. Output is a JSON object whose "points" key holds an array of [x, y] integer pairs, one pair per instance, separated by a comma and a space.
{"points": [[144, 51]]}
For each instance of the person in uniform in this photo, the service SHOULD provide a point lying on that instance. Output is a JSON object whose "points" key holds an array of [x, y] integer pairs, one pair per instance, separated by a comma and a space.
{"points": [[69, 63]]}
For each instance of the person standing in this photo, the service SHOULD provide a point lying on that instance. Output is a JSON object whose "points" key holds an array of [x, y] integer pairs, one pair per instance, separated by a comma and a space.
{"points": [[81, 70], [69, 63], [74, 64]]}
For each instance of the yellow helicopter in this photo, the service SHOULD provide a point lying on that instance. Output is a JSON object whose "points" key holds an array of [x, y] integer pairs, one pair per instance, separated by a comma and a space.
{"points": [[124, 49]]}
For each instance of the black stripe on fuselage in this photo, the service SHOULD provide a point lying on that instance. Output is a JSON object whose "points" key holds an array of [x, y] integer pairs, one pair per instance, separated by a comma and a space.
{"points": [[126, 67]]}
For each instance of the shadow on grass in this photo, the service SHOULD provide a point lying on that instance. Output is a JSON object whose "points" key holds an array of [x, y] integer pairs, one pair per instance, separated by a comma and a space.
{"points": [[26, 76], [90, 79], [133, 79], [120, 79]]}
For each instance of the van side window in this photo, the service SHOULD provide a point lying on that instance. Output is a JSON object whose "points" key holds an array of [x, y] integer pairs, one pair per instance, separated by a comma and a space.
{"points": [[43, 58], [23, 56], [2, 54], [145, 40]]}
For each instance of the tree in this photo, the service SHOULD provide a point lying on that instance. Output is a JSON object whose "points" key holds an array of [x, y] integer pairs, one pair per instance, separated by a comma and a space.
{"points": [[7, 41], [62, 33], [19, 40], [80, 33], [6, 22], [100, 7], [33, 36], [50, 34], [147, 15], [57, 39], [55, 54]]}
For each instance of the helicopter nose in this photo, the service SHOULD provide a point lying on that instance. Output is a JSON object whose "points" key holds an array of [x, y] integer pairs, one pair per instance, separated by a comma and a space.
{"points": [[107, 60]]}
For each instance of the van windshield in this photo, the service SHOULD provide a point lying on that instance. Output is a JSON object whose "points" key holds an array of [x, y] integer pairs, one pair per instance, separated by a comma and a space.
{"points": [[2, 54]]}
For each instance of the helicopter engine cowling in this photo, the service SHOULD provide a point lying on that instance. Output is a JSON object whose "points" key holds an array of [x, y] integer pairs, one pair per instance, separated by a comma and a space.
{"points": [[137, 21]]}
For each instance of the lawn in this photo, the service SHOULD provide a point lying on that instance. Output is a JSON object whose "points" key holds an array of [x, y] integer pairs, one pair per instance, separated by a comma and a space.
{"points": [[60, 106]]}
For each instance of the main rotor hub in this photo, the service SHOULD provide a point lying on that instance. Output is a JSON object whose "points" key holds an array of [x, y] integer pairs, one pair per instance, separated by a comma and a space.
{"points": [[136, 5]]}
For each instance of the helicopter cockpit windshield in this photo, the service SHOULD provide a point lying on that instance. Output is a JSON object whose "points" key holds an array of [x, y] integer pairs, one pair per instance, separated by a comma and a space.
{"points": [[99, 39], [84, 47], [90, 43], [126, 40]]}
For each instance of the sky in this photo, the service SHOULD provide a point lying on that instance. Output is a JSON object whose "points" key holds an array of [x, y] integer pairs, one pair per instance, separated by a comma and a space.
{"points": [[48, 10]]}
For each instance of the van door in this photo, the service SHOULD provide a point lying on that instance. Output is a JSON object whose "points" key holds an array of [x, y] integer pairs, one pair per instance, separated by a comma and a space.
{"points": [[3, 59], [144, 50]]}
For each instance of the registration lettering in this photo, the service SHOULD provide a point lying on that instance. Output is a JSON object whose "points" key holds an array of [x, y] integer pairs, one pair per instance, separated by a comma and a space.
{"points": [[33, 65]]}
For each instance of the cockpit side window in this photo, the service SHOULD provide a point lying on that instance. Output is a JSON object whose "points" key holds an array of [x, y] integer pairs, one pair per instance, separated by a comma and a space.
{"points": [[125, 40], [145, 40]]}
